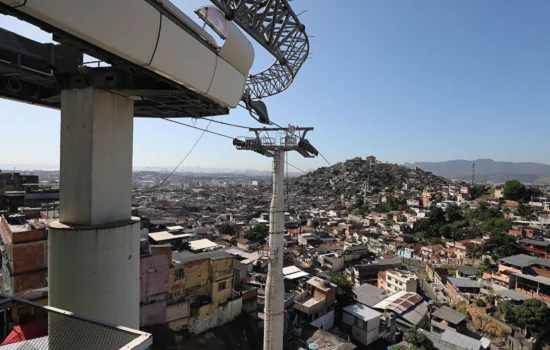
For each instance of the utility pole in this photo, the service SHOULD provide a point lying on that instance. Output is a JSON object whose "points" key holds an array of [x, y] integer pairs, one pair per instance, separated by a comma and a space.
{"points": [[288, 139]]}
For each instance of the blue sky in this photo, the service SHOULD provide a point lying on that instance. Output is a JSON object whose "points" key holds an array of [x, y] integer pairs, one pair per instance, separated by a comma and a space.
{"points": [[405, 80]]}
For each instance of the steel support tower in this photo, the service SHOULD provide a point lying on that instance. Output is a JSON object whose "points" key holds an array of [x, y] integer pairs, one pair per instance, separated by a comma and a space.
{"points": [[288, 140]]}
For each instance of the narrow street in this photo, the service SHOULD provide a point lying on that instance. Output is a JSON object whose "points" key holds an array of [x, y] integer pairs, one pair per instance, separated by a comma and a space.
{"points": [[417, 267]]}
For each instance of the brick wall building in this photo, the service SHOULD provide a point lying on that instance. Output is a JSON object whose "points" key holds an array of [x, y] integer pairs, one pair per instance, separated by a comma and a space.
{"points": [[25, 255]]}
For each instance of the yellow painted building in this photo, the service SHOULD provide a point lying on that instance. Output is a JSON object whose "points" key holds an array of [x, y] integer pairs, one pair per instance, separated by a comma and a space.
{"points": [[201, 294]]}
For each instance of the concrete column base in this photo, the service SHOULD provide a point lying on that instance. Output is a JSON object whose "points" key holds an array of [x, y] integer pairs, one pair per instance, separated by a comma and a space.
{"points": [[94, 271]]}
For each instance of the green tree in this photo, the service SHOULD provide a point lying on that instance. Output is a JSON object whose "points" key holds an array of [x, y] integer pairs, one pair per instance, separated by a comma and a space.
{"points": [[497, 225], [505, 308], [434, 241], [514, 190], [418, 340], [453, 214], [477, 191], [525, 211], [533, 314], [480, 303], [533, 192], [484, 267], [446, 231], [344, 292], [501, 245], [227, 229], [257, 233]]}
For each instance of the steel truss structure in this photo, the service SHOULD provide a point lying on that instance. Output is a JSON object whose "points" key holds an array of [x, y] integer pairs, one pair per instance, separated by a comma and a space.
{"points": [[35, 73], [286, 139], [275, 26]]}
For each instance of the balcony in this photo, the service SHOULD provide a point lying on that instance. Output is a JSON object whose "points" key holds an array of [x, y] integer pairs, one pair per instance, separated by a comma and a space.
{"points": [[308, 304], [47, 327], [497, 276], [536, 251]]}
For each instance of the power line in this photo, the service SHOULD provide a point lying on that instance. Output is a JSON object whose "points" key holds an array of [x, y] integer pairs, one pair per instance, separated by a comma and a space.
{"points": [[321, 154], [184, 158], [222, 135], [195, 127], [234, 125], [295, 167], [211, 132]]}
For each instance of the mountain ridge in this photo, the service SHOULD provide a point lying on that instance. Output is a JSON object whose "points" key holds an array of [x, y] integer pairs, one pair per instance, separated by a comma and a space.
{"points": [[487, 170]]}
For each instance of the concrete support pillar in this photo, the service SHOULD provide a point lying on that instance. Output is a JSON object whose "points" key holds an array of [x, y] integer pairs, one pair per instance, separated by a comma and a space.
{"points": [[94, 248], [96, 157], [275, 288]]}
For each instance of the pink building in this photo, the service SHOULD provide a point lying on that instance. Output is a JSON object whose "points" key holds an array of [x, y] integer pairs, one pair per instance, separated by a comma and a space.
{"points": [[154, 289]]}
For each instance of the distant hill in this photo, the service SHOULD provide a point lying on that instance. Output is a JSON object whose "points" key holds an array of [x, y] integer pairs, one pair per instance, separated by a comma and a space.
{"points": [[487, 170], [350, 177]]}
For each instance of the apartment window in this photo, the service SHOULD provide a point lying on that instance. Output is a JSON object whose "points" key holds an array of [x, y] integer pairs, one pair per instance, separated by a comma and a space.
{"points": [[179, 274], [222, 285]]}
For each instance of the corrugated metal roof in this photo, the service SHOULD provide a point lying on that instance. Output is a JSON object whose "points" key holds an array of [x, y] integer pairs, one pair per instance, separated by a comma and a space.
{"points": [[362, 312], [468, 270], [399, 302], [535, 242], [448, 314], [520, 260], [512, 294], [369, 295], [465, 342], [202, 244], [416, 314], [166, 236], [293, 276], [290, 270]]}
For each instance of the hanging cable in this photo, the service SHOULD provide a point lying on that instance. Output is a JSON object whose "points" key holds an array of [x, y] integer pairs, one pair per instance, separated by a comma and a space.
{"points": [[222, 135], [184, 158], [195, 127], [295, 167], [321, 154], [233, 125]]}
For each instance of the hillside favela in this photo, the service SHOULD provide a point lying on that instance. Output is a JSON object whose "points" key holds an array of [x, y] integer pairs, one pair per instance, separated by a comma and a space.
{"points": [[274, 174]]}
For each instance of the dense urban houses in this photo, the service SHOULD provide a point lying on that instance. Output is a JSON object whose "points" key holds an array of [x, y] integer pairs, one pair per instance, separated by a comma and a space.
{"points": [[201, 292], [25, 255], [395, 281], [315, 305], [204, 255]]}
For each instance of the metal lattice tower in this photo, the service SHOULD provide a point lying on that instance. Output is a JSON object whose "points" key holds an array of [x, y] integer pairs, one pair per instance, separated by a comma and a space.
{"points": [[289, 139], [275, 26]]}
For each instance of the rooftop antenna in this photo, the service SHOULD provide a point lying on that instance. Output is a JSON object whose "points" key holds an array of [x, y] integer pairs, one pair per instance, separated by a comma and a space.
{"points": [[286, 139]]}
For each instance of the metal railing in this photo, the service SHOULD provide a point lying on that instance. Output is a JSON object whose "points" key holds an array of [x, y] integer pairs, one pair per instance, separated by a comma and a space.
{"points": [[53, 328]]}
